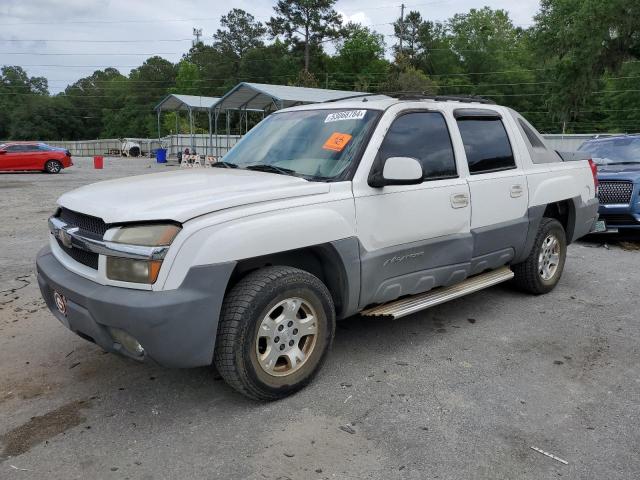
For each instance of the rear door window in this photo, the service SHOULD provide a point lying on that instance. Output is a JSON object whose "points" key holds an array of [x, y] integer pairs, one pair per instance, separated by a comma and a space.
{"points": [[486, 144], [425, 137]]}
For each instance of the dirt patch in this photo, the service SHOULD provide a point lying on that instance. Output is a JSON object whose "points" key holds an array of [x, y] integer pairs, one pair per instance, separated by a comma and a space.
{"points": [[15, 184], [630, 246], [21, 439], [312, 445], [24, 386]]}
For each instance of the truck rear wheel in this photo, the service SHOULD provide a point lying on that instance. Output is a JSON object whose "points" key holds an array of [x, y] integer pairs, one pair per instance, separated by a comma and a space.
{"points": [[275, 329], [542, 269]]}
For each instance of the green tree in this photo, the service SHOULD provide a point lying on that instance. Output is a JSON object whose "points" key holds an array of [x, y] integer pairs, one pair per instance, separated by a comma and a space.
{"points": [[620, 102], [493, 55], [435, 50], [240, 33], [16, 89], [308, 22], [91, 96], [407, 31], [273, 63], [217, 71], [45, 118], [579, 41], [187, 79], [359, 62], [408, 79], [147, 85]]}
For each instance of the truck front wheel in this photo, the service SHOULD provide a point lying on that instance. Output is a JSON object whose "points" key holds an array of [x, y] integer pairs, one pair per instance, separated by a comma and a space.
{"points": [[275, 329], [542, 269]]}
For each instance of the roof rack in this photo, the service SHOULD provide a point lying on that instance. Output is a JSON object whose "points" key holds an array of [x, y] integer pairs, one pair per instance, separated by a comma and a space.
{"points": [[360, 95], [419, 96], [440, 98]]}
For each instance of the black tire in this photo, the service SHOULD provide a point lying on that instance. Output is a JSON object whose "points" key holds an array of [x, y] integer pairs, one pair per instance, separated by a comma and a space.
{"points": [[528, 274], [243, 311], [53, 166]]}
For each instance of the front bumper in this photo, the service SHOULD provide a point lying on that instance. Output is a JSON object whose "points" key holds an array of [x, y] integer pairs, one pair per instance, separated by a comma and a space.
{"points": [[620, 216], [176, 328]]}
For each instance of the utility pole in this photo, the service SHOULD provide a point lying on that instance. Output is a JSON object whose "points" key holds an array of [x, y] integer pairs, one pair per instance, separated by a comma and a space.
{"points": [[401, 25], [197, 32]]}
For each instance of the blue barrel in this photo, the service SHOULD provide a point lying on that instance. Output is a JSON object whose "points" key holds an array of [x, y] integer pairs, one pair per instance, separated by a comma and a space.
{"points": [[161, 155]]}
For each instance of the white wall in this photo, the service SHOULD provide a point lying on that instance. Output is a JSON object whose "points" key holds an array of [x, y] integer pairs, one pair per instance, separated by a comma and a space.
{"points": [[568, 143], [174, 143]]}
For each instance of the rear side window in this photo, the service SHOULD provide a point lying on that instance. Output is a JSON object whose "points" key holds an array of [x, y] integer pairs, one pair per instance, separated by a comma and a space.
{"points": [[425, 137], [486, 144]]}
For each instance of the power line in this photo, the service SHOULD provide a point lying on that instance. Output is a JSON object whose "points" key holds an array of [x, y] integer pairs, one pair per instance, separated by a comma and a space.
{"points": [[62, 95], [69, 40], [92, 54]]}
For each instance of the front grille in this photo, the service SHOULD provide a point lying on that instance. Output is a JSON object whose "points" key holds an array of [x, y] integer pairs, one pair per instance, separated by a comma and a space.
{"points": [[619, 219], [88, 225], [89, 259], [615, 192]]}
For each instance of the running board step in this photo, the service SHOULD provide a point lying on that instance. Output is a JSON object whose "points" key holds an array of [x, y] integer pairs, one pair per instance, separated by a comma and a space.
{"points": [[415, 303]]}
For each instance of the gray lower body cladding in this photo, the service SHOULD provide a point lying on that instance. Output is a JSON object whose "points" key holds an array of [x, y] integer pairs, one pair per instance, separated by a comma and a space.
{"points": [[586, 213], [417, 267], [176, 328]]}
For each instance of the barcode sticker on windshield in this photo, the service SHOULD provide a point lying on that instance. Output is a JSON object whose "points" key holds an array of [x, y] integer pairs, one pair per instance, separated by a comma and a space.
{"points": [[348, 115]]}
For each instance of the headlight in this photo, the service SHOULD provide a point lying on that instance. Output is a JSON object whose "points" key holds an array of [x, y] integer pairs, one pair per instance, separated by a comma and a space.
{"points": [[140, 270], [146, 235]]}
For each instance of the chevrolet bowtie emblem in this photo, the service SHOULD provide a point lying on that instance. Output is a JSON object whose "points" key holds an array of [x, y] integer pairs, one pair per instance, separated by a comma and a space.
{"points": [[64, 235]]}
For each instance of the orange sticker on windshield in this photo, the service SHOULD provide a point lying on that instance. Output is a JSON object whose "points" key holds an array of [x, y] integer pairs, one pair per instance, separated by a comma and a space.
{"points": [[337, 141]]}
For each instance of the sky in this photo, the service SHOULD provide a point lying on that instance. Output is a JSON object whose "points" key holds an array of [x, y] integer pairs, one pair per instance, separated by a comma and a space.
{"points": [[66, 40]]}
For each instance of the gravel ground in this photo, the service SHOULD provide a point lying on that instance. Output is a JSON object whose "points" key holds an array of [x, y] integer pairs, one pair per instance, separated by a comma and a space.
{"points": [[461, 391]]}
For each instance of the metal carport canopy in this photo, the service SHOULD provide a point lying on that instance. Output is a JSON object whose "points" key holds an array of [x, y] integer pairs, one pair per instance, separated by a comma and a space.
{"points": [[175, 101], [262, 96]]}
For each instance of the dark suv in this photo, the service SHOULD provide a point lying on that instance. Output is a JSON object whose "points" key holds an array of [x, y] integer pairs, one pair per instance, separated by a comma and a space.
{"points": [[618, 160]]}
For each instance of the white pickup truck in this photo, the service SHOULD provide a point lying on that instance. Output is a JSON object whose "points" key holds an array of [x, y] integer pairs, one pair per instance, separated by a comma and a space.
{"points": [[378, 206]]}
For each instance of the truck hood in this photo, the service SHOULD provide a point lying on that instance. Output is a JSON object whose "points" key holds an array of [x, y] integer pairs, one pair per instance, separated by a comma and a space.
{"points": [[619, 172], [184, 194]]}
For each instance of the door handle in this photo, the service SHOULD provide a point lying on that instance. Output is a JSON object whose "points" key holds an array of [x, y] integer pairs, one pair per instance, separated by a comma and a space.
{"points": [[459, 200], [516, 191]]}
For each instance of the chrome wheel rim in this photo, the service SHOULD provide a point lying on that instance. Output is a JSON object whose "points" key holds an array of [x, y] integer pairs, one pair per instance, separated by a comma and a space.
{"points": [[549, 258], [53, 167], [286, 337]]}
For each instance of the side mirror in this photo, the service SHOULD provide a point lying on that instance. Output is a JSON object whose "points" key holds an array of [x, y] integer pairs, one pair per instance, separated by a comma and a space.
{"points": [[2, 152], [397, 171]]}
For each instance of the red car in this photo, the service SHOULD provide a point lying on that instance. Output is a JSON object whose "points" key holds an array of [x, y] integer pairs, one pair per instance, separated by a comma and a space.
{"points": [[33, 156]]}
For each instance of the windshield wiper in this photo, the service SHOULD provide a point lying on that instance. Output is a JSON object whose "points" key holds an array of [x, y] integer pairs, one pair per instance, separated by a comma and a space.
{"points": [[271, 169], [623, 163], [224, 165]]}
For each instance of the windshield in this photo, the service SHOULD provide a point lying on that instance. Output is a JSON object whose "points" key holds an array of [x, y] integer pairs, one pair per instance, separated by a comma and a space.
{"points": [[314, 144], [614, 151]]}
